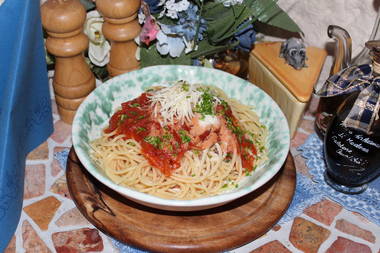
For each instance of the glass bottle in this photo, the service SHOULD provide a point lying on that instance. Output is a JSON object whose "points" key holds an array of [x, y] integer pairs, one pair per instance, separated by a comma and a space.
{"points": [[352, 151], [328, 105]]}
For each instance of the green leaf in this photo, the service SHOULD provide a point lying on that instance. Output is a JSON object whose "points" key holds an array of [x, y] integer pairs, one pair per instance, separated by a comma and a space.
{"points": [[205, 48], [270, 13], [223, 22], [150, 57], [100, 73]]}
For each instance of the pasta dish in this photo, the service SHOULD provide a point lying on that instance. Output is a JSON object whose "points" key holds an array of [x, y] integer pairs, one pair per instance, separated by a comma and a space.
{"points": [[181, 141]]}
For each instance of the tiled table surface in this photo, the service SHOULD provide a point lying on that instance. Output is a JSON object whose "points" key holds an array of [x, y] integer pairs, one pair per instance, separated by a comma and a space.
{"points": [[50, 222]]}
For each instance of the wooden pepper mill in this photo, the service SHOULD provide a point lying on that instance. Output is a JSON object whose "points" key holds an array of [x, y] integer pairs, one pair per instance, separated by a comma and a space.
{"points": [[120, 27], [73, 80]]}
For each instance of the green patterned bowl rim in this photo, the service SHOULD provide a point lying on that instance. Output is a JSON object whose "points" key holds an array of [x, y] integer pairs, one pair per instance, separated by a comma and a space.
{"points": [[94, 112]]}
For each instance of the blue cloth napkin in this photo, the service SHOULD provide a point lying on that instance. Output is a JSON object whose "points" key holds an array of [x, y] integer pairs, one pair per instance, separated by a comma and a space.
{"points": [[25, 104], [366, 203]]}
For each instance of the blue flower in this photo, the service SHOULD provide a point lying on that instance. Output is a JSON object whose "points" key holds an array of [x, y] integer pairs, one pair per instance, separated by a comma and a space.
{"points": [[173, 39], [187, 23], [154, 6], [172, 44], [246, 37]]}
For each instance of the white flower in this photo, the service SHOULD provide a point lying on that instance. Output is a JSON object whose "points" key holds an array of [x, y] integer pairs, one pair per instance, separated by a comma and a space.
{"points": [[141, 17], [228, 3], [171, 45], [171, 8], [99, 47], [138, 50]]}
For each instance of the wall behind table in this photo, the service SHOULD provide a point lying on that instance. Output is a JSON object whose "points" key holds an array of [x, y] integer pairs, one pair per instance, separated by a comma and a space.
{"points": [[356, 16]]}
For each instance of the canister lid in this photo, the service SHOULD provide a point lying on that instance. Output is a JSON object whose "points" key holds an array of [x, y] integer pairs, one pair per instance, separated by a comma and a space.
{"points": [[299, 82]]}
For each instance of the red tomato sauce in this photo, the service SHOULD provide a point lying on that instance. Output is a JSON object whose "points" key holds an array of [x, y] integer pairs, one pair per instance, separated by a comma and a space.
{"points": [[247, 149], [164, 147]]}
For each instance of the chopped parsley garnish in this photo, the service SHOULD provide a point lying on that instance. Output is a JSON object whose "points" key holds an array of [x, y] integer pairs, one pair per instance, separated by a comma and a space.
{"points": [[123, 117], [154, 140], [167, 136], [247, 172], [235, 129], [206, 105], [131, 143], [185, 87], [225, 105], [196, 151], [141, 117], [134, 105], [140, 129], [184, 137]]}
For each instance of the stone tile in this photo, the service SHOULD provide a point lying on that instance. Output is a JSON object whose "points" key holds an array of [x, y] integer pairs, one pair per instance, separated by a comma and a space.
{"points": [[312, 106], [11, 248], [307, 125], [298, 139], [55, 166], [81, 240], [343, 245], [324, 211], [39, 153], [47, 206], [361, 218], [72, 217], [34, 185], [32, 243], [60, 187], [301, 167], [274, 246], [62, 131], [307, 236], [352, 229]]}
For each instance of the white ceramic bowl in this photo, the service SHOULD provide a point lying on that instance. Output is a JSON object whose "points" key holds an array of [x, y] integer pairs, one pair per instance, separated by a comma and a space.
{"points": [[93, 114]]}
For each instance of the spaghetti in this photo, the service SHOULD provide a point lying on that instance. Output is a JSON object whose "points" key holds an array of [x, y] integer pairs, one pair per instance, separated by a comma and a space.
{"points": [[181, 142]]}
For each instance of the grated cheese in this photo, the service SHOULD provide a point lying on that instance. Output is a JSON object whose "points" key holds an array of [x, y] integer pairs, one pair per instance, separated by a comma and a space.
{"points": [[177, 102]]}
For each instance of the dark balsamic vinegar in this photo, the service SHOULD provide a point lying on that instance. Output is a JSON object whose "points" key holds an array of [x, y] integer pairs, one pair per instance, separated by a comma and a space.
{"points": [[326, 111], [352, 156]]}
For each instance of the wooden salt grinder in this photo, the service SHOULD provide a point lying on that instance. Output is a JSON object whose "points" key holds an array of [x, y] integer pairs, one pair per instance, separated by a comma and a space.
{"points": [[73, 80], [121, 26]]}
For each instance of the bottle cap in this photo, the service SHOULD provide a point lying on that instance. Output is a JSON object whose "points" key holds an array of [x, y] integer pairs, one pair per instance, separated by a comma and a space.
{"points": [[374, 47]]}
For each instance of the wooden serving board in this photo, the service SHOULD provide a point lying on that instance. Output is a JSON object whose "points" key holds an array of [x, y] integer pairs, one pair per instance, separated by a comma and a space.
{"points": [[213, 230]]}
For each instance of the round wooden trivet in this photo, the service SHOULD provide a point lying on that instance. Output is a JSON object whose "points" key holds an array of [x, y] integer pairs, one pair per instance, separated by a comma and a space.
{"points": [[213, 230]]}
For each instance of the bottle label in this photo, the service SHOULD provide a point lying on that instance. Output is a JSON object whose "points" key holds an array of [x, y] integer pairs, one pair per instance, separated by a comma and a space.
{"points": [[353, 146]]}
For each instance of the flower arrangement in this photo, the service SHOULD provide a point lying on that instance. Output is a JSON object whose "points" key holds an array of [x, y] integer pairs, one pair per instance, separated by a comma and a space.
{"points": [[189, 31]]}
